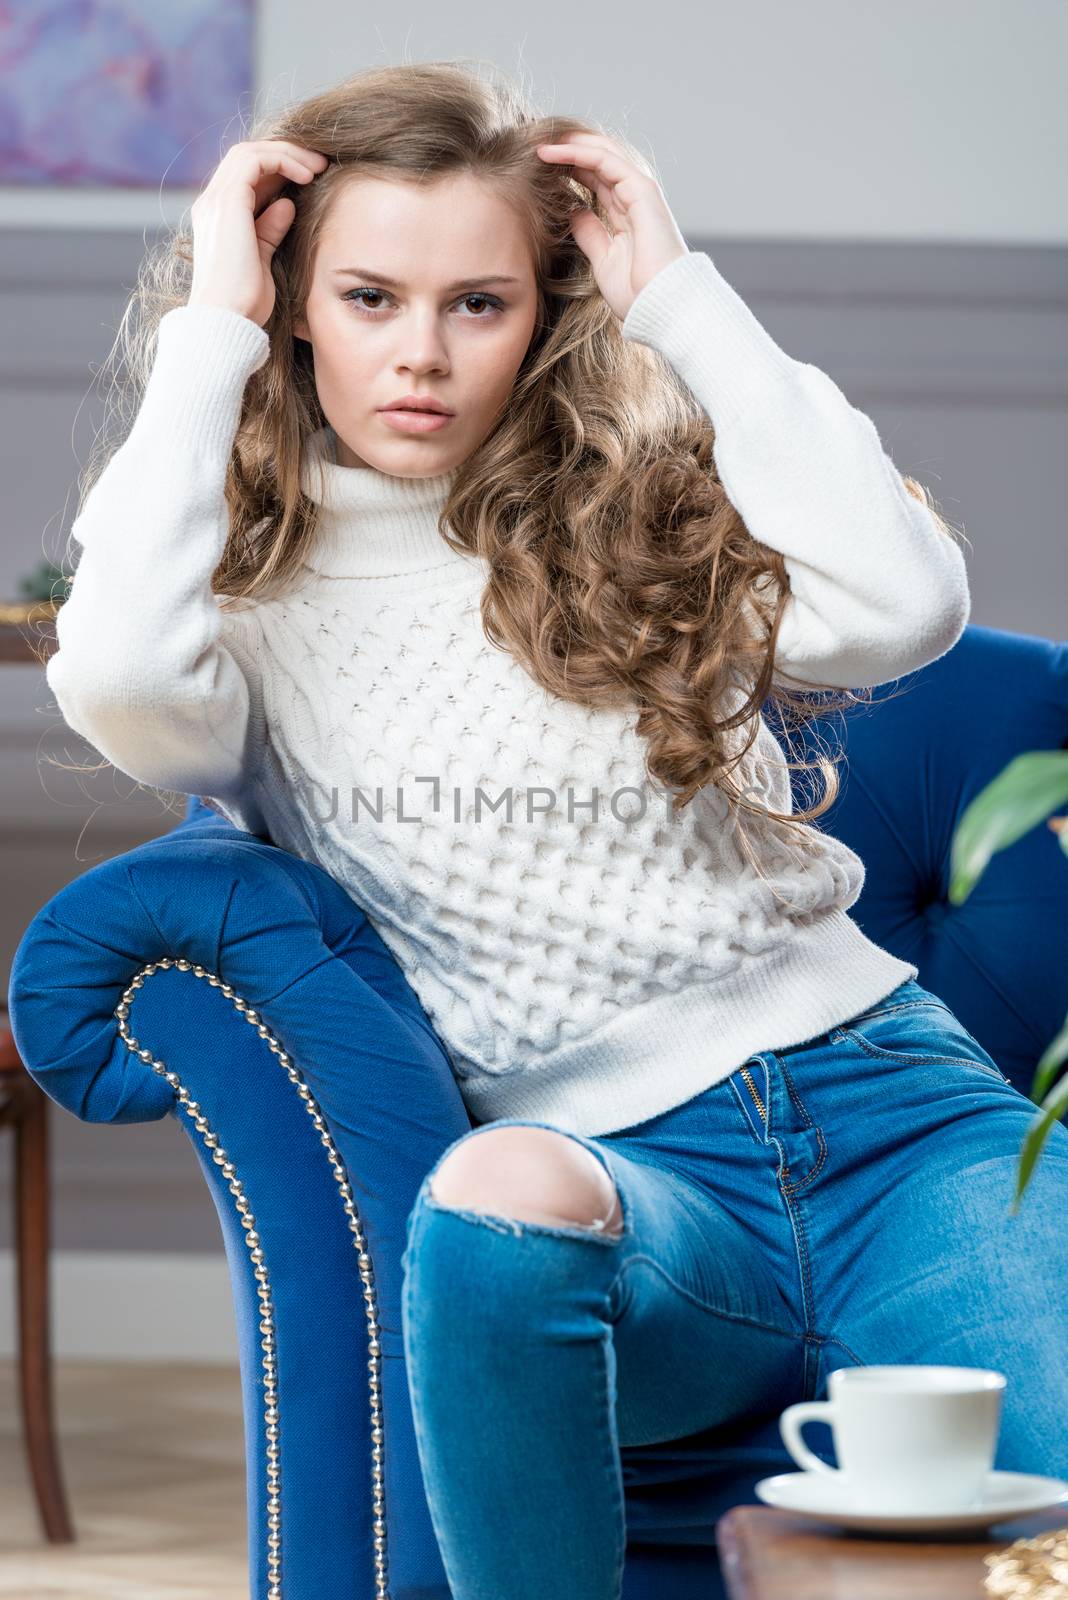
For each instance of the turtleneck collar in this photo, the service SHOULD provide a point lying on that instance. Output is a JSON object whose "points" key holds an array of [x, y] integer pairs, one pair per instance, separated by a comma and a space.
{"points": [[371, 524]]}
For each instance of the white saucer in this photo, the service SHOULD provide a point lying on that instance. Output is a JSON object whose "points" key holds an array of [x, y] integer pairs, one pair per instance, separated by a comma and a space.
{"points": [[826, 1499]]}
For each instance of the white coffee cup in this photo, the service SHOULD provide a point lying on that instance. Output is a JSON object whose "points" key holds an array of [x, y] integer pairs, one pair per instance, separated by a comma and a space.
{"points": [[908, 1438]]}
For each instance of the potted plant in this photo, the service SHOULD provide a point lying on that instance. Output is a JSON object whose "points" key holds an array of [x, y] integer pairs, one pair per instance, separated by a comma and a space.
{"points": [[1021, 796], [44, 591]]}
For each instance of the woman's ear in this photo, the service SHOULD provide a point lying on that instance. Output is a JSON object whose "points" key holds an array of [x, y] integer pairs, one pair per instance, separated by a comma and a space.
{"points": [[300, 329]]}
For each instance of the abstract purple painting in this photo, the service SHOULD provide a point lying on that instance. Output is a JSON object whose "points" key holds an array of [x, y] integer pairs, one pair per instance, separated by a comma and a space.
{"points": [[127, 94]]}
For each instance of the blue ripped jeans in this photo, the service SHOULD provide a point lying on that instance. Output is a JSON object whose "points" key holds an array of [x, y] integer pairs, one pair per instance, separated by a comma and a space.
{"points": [[840, 1202]]}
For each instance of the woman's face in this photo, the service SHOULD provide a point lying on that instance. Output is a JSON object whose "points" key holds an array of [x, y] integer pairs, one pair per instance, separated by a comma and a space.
{"points": [[409, 329]]}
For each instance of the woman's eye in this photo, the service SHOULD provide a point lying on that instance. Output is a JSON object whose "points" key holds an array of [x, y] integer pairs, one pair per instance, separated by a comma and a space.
{"points": [[489, 300]]}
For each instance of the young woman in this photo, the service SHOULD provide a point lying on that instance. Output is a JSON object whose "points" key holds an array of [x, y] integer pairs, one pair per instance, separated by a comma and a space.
{"points": [[499, 666]]}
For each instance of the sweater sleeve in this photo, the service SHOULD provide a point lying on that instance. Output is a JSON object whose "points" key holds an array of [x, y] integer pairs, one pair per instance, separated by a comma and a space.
{"points": [[143, 667], [876, 588]]}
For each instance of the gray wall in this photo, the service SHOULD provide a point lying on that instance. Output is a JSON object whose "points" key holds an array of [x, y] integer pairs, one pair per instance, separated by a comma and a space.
{"points": [[913, 120], [959, 353]]}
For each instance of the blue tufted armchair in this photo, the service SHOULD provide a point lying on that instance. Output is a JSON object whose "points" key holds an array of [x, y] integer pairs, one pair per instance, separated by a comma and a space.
{"points": [[211, 977]]}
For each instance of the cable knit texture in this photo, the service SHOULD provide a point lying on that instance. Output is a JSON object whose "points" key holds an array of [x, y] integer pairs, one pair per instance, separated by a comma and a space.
{"points": [[585, 957]]}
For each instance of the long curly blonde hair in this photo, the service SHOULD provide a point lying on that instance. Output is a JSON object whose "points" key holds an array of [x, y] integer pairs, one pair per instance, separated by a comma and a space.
{"points": [[620, 574]]}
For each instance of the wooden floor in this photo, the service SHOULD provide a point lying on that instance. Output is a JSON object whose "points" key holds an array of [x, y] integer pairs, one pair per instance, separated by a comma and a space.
{"points": [[153, 1456]]}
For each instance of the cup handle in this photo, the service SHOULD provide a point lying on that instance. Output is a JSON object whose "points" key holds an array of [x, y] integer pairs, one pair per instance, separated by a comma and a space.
{"points": [[793, 1420]]}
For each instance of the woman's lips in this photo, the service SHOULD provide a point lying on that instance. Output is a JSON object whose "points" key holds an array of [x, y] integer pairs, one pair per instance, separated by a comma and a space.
{"points": [[416, 421]]}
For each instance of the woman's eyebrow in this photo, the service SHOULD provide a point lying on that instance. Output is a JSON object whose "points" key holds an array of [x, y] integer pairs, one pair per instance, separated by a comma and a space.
{"points": [[393, 283]]}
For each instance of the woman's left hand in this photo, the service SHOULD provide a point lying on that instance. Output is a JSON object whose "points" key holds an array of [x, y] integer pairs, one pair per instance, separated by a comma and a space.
{"points": [[646, 235]]}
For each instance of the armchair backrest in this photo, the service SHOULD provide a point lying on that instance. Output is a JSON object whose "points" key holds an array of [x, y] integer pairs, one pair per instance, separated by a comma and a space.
{"points": [[916, 758]]}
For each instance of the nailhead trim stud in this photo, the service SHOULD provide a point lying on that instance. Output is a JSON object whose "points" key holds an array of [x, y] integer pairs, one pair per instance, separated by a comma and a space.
{"points": [[252, 1242]]}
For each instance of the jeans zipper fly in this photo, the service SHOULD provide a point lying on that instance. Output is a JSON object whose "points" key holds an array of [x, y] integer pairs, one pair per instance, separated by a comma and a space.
{"points": [[748, 1076]]}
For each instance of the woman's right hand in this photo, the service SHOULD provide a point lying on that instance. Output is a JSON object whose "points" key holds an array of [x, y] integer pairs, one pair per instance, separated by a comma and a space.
{"points": [[233, 240]]}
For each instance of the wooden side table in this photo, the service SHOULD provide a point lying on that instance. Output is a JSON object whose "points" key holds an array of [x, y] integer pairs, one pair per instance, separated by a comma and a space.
{"points": [[769, 1554], [27, 632], [26, 629], [24, 1107]]}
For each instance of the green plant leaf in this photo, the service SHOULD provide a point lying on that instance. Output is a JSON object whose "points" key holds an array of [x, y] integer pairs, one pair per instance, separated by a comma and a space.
{"points": [[1022, 795], [1054, 1056], [1051, 1111]]}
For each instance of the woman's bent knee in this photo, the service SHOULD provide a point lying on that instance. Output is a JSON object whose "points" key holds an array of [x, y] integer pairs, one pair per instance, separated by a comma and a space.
{"points": [[529, 1174]]}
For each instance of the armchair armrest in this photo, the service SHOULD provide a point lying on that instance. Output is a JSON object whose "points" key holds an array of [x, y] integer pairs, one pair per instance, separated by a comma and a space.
{"points": [[209, 976]]}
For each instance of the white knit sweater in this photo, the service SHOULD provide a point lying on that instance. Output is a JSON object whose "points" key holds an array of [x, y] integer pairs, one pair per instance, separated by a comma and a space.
{"points": [[586, 970]]}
